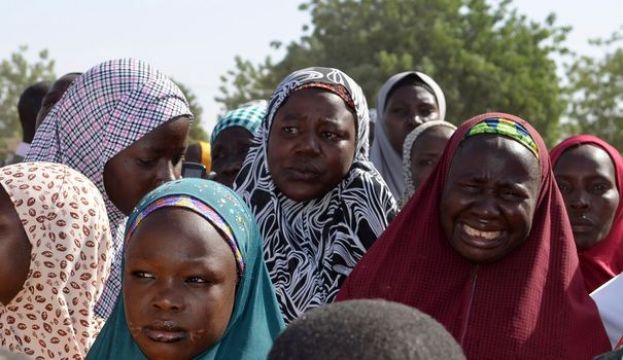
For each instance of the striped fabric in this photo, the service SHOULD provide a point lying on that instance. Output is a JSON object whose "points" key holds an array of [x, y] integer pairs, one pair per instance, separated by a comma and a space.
{"points": [[107, 109], [508, 128]]}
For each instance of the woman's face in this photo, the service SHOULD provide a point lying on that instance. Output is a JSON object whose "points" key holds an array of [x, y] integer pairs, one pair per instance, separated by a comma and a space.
{"points": [[15, 250], [179, 284], [312, 144], [587, 180], [228, 152], [490, 197], [426, 151], [152, 160], [408, 107]]}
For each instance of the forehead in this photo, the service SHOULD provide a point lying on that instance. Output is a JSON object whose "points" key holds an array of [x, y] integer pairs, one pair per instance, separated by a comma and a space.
{"points": [[496, 157], [585, 157], [410, 92], [233, 134]]}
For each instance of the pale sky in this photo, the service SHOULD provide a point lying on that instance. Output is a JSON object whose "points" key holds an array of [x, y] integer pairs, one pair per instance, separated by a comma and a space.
{"points": [[195, 41]]}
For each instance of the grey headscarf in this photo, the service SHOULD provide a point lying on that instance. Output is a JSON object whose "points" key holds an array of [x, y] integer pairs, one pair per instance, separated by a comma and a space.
{"points": [[386, 160]]}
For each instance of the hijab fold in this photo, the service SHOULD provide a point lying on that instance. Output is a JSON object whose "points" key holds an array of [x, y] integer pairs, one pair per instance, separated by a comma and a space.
{"points": [[107, 109], [310, 247], [65, 219], [382, 154], [255, 320], [529, 305], [603, 261]]}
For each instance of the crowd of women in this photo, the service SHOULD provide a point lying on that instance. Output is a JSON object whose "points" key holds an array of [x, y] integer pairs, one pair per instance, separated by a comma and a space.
{"points": [[480, 243]]}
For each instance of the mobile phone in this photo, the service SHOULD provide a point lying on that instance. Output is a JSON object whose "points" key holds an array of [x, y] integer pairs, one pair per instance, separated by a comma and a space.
{"points": [[193, 170]]}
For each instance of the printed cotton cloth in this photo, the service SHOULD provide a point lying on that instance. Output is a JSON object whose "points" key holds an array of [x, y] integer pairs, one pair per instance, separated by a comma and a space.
{"points": [[106, 110], [310, 247], [65, 219]]}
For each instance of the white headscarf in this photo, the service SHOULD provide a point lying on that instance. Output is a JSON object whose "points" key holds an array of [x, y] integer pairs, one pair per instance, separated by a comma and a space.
{"points": [[387, 161]]}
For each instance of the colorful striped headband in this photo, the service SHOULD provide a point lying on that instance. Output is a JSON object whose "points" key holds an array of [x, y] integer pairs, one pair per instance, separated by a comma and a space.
{"points": [[505, 127], [190, 203]]}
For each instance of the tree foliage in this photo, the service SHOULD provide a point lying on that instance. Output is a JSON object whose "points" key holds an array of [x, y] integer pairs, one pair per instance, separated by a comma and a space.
{"points": [[596, 93], [197, 133], [16, 74], [485, 57]]}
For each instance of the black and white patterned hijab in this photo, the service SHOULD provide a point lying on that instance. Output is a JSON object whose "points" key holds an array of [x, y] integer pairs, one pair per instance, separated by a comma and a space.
{"points": [[310, 247]]}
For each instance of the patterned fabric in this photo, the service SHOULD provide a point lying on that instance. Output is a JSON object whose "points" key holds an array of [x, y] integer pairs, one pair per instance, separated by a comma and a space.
{"points": [[249, 117], [310, 247], [508, 128], [64, 216], [604, 260], [406, 155], [382, 154], [198, 207], [106, 110], [531, 304], [255, 320]]}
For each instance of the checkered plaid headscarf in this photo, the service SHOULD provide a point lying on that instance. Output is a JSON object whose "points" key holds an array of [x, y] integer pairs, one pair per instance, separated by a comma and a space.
{"points": [[249, 117], [107, 109]]}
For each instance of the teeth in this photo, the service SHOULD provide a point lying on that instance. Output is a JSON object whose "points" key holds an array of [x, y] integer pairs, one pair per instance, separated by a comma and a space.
{"points": [[489, 235]]}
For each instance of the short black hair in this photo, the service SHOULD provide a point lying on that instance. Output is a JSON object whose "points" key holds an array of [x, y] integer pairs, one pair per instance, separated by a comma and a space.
{"points": [[28, 106], [365, 330]]}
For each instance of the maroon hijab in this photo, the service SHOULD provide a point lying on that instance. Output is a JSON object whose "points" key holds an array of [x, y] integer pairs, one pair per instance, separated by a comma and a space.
{"points": [[603, 261], [529, 305]]}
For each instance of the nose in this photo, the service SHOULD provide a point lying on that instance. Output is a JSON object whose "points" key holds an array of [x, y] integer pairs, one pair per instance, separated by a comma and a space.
{"points": [[165, 172], [485, 208], [167, 298], [579, 200], [308, 144]]}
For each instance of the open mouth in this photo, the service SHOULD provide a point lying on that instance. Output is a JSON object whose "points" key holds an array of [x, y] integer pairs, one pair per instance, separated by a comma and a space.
{"points": [[164, 333], [485, 239]]}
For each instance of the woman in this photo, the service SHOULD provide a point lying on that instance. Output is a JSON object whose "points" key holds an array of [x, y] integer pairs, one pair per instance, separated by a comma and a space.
{"points": [[56, 255], [485, 248], [232, 137], [124, 125], [317, 199], [588, 172], [405, 101], [421, 151], [194, 285]]}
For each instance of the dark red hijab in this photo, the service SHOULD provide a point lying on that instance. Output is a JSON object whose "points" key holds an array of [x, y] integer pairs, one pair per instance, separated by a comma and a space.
{"points": [[603, 261], [530, 305]]}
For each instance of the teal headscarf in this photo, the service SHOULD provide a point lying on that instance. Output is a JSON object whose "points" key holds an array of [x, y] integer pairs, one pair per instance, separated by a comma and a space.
{"points": [[248, 116], [255, 320]]}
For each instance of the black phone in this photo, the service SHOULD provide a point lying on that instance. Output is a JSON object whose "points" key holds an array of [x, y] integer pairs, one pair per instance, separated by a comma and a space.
{"points": [[193, 170]]}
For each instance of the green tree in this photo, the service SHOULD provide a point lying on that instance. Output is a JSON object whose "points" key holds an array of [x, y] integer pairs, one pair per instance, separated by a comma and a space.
{"points": [[197, 133], [485, 57], [17, 73], [596, 93]]}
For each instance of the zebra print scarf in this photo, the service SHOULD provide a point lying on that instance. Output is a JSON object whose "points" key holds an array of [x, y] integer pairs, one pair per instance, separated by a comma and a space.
{"points": [[310, 247]]}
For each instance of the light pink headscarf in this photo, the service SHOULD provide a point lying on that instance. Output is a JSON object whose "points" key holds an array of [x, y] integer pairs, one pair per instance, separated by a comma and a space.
{"points": [[64, 216]]}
